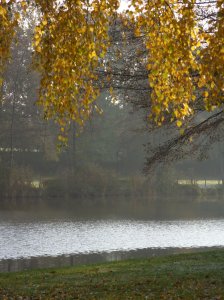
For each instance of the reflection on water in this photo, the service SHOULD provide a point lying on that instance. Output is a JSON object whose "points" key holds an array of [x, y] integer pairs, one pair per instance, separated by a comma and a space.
{"points": [[30, 240], [53, 238]]}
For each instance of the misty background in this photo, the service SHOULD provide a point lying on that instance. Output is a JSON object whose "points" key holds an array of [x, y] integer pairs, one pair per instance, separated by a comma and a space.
{"points": [[103, 162]]}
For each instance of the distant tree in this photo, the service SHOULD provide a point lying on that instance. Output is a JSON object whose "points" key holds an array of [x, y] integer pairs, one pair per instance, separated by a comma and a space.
{"points": [[24, 132]]}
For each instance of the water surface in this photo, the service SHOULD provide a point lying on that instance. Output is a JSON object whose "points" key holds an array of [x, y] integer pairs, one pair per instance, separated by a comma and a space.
{"points": [[42, 240], [54, 238]]}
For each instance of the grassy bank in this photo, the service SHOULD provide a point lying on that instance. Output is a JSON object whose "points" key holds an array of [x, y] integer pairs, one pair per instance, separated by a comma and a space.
{"points": [[185, 276]]}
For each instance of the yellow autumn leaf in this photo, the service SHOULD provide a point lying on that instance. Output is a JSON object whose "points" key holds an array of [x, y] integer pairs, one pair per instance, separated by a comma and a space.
{"points": [[179, 123], [2, 11], [93, 54], [206, 94]]}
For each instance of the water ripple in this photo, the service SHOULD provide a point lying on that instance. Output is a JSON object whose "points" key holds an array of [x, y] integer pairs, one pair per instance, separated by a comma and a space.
{"points": [[19, 240]]}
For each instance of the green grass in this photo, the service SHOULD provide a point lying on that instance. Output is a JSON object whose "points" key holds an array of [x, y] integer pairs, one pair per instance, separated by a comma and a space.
{"points": [[184, 276]]}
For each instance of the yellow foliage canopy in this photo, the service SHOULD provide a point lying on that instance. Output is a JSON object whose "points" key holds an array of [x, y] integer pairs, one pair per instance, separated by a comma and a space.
{"points": [[185, 57], [7, 26]]}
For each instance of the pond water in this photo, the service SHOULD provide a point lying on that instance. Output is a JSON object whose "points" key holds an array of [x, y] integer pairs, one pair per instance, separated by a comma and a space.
{"points": [[28, 241], [55, 238]]}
